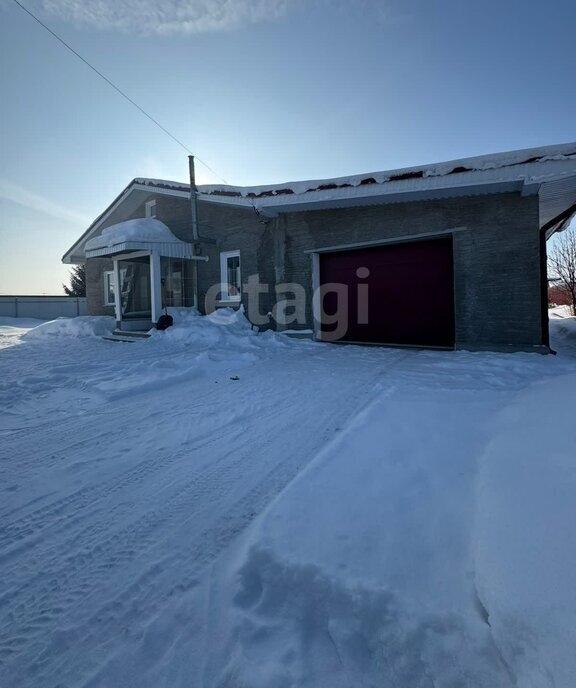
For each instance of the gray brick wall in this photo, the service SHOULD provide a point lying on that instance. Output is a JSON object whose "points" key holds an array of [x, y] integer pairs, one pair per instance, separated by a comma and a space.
{"points": [[233, 229], [496, 259], [496, 256], [95, 268]]}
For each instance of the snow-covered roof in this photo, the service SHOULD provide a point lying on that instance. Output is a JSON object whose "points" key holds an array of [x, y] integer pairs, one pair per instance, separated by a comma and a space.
{"points": [[529, 165], [549, 171], [146, 234]]}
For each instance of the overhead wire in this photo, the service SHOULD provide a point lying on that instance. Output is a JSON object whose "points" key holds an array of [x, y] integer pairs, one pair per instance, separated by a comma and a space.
{"points": [[117, 89]]}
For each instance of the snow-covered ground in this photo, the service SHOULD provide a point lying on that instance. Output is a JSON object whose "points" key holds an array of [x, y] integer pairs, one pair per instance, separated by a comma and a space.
{"points": [[336, 516], [559, 312], [12, 329]]}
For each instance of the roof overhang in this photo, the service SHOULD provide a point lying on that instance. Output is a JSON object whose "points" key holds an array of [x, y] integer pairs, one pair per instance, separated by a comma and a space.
{"points": [[368, 199], [548, 171], [557, 203], [166, 249]]}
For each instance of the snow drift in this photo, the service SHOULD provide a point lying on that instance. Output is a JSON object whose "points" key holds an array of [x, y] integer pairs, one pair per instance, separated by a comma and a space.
{"points": [[218, 328], [564, 330], [525, 544], [81, 326]]}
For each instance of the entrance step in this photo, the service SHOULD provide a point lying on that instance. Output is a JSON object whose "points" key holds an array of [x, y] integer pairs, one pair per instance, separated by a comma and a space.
{"points": [[136, 324], [123, 336], [134, 334]]}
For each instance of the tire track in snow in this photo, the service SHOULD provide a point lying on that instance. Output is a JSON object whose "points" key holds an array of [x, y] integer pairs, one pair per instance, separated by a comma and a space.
{"points": [[76, 433], [60, 570], [125, 576], [156, 585], [56, 515], [38, 529], [65, 581]]}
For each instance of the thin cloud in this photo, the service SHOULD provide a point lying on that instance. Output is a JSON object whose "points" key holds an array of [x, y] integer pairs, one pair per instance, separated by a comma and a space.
{"points": [[382, 12], [18, 194], [167, 17]]}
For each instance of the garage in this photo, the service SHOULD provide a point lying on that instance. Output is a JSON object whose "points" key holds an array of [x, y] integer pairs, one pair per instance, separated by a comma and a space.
{"points": [[398, 293]]}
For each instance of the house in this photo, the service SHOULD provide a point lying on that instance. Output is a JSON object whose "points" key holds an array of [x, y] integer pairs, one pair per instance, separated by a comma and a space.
{"points": [[558, 293], [448, 255]]}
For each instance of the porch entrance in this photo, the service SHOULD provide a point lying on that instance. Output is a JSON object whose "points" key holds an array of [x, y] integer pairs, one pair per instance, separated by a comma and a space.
{"points": [[135, 272], [153, 268], [135, 292]]}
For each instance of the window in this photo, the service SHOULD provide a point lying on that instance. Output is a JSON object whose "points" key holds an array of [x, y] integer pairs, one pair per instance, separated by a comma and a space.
{"points": [[150, 209], [231, 283], [109, 288], [177, 276]]}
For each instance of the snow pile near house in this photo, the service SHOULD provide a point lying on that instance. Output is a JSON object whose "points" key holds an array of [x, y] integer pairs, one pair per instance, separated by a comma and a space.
{"points": [[82, 326], [195, 347], [563, 333], [566, 328], [141, 229], [12, 329], [559, 312], [225, 327]]}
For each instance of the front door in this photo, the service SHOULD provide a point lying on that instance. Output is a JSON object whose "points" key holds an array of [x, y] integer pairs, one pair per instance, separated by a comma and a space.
{"points": [[135, 293]]}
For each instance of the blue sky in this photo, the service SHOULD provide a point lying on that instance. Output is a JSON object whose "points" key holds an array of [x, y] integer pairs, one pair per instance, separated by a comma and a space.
{"points": [[264, 91]]}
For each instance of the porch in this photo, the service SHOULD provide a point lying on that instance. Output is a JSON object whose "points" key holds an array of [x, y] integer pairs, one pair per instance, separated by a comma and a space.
{"points": [[153, 269]]}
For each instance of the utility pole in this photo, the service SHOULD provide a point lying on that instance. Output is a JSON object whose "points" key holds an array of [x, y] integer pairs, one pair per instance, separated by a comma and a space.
{"points": [[193, 198]]}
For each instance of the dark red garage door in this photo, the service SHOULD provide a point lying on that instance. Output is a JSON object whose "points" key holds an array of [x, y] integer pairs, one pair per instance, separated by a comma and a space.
{"points": [[406, 297]]}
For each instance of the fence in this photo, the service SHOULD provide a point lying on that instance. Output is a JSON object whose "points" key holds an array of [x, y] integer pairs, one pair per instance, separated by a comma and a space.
{"points": [[42, 307]]}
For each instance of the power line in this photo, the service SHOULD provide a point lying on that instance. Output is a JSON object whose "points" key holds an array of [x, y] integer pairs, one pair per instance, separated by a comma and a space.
{"points": [[116, 88]]}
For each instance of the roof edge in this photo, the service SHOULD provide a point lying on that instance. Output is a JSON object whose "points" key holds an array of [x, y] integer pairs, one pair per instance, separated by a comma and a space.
{"points": [[274, 193]]}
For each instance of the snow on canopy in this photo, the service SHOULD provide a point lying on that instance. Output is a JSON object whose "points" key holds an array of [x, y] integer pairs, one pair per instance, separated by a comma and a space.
{"points": [[149, 230]]}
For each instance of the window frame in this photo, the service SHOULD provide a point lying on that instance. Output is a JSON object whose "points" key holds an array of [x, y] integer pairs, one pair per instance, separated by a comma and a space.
{"points": [[224, 295], [109, 277], [150, 209]]}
